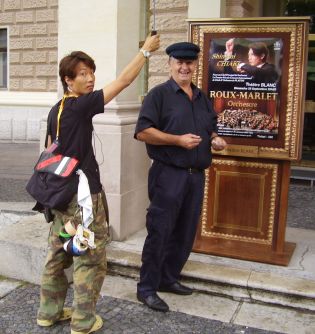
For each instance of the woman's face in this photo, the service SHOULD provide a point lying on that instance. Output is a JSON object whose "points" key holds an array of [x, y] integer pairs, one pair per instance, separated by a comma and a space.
{"points": [[253, 59], [84, 80]]}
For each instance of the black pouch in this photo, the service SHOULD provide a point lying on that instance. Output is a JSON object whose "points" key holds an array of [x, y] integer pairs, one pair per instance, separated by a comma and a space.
{"points": [[54, 181], [52, 191]]}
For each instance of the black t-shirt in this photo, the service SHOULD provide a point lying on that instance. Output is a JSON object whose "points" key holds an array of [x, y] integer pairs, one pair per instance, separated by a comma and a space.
{"points": [[168, 108], [75, 133]]}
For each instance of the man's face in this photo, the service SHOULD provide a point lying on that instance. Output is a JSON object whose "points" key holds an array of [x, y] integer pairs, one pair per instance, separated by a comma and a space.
{"points": [[182, 70], [253, 59], [84, 80]]}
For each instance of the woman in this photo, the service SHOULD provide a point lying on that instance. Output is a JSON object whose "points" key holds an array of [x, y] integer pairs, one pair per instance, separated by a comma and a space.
{"points": [[74, 125]]}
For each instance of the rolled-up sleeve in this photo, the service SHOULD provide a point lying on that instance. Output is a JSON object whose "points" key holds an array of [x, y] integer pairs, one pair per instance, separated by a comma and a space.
{"points": [[149, 115]]}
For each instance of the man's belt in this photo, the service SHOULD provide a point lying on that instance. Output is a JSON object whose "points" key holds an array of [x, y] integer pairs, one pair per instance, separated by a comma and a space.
{"points": [[194, 170], [190, 170]]}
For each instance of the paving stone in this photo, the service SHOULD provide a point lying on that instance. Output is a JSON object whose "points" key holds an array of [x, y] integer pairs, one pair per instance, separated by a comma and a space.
{"points": [[8, 285], [275, 318], [18, 316]]}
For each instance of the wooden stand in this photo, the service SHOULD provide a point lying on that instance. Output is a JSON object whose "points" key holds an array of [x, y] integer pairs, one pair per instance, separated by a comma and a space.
{"points": [[245, 209]]}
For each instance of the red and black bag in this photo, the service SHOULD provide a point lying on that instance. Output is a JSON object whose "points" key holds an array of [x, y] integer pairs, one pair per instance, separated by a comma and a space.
{"points": [[52, 191], [54, 181]]}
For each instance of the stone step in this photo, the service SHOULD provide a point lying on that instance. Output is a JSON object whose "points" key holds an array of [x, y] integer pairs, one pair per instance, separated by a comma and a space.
{"points": [[236, 283], [23, 245]]}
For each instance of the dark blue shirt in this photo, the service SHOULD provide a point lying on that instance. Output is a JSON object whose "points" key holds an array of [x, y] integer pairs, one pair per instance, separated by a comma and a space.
{"points": [[168, 108]]}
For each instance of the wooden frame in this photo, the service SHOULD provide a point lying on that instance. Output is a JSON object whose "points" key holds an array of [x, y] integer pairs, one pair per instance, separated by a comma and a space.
{"points": [[244, 210], [280, 103]]}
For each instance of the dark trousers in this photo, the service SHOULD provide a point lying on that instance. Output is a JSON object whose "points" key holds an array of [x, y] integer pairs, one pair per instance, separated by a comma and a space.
{"points": [[176, 198]]}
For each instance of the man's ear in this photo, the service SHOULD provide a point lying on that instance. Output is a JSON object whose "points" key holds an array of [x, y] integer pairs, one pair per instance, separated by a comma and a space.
{"points": [[67, 80]]}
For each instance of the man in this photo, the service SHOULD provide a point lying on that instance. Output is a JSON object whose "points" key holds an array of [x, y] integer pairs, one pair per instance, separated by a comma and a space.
{"points": [[258, 67], [178, 125], [73, 117]]}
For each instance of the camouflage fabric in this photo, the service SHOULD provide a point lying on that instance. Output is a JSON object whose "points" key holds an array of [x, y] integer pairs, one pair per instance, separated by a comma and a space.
{"points": [[89, 270]]}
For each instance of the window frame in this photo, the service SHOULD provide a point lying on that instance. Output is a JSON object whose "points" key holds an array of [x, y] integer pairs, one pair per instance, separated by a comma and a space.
{"points": [[6, 63]]}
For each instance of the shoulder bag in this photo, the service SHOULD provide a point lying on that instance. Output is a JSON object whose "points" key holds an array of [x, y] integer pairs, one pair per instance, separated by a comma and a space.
{"points": [[54, 181]]}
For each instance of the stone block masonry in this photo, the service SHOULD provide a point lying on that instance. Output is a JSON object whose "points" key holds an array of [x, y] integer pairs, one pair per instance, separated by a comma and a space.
{"points": [[33, 43], [172, 26]]}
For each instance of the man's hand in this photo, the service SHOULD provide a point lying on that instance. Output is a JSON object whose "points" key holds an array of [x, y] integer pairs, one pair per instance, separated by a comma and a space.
{"points": [[229, 45], [189, 141], [218, 143], [152, 43], [239, 67]]}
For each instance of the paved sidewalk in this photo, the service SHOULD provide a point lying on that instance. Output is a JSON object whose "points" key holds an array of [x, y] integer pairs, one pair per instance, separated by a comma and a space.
{"points": [[242, 281], [19, 306], [16, 167]]}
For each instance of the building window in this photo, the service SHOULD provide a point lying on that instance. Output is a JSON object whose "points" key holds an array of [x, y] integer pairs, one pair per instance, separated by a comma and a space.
{"points": [[3, 58]]}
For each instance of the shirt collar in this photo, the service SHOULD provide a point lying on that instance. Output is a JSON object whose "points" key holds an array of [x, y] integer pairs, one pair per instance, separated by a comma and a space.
{"points": [[176, 88]]}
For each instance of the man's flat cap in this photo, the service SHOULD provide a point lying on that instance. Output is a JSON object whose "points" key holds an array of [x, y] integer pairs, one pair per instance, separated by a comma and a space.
{"points": [[183, 50]]}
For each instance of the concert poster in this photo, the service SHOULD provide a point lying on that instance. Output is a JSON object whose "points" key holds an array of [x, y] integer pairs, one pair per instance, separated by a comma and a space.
{"points": [[254, 72], [244, 85]]}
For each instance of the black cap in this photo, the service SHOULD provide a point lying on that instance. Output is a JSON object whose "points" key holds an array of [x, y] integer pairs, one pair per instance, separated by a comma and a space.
{"points": [[183, 50]]}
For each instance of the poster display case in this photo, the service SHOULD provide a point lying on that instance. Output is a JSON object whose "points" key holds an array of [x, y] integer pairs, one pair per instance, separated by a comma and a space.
{"points": [[260, 107], [254, 72]]}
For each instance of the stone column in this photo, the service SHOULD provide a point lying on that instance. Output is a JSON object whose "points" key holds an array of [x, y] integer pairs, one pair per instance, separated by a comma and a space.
{"points": [[109, 32]]}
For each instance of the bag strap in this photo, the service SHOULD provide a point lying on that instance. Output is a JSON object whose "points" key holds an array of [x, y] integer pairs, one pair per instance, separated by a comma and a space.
{"points": [[60, 110], [105, 205]]}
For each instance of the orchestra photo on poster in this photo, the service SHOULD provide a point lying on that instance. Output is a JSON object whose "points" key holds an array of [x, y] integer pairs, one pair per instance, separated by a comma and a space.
{"points": [[244, 85]]}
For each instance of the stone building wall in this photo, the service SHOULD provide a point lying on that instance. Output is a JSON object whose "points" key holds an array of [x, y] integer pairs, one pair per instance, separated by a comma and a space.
{"points": [[33, 39], [33, 43], [242, 8], [172, 26]]}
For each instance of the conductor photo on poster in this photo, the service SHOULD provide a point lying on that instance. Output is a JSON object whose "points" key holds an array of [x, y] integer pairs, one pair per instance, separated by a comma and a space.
{"points": [[244, 85]]}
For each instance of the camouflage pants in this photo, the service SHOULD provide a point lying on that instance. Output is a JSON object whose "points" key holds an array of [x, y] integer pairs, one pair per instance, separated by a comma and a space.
{"points": [[89, 270]]}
